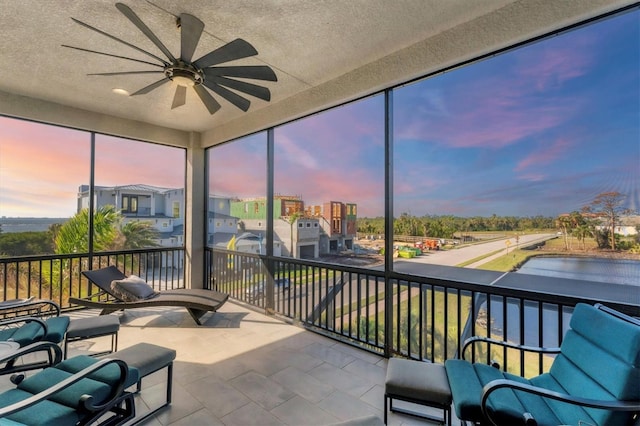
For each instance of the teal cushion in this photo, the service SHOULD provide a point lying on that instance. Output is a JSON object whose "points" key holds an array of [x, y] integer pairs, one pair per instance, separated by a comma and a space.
{"points": [[43, 413], [619, 337], [27, 333], [108, 374], [565, 413], [33, 331], [56, 329], [69, 396], [7, 334]]}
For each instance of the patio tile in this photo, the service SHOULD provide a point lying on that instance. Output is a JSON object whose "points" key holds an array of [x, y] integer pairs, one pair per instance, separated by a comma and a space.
{"points": [[300, 412], [303, 384], [265, 392], [329, 354], [200, 417], [218, 396], [250, 415], [345, 406], [367, 371], [341, 379]]}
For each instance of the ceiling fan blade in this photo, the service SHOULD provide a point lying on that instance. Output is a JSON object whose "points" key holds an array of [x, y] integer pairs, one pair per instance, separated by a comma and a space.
{"points": [[126, 72], [131, 15], [242, 86], [191, 30], [150, 87], [120, 40], [180, 98], [206, 98], [234, 98], [236, 49], [256, 72], [112, 55]]}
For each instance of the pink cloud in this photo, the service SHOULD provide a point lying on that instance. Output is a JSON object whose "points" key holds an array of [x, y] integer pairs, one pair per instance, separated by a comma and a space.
{"points": [[498, 109], [544, 155]]}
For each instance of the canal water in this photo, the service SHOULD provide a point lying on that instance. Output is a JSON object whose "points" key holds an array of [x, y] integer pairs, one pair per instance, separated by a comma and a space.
{"points": [[618, 271]]}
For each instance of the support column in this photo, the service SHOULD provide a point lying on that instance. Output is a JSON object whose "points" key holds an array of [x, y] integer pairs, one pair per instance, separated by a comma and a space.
{"points": [[195, 214]]}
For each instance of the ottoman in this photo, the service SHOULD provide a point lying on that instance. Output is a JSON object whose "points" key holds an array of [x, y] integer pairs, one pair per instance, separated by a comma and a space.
{"points": [[421, 383], [88, 328]]}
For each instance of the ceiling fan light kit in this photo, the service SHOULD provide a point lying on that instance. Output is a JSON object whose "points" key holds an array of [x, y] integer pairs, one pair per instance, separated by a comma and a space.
{"points": [[199, 75]]}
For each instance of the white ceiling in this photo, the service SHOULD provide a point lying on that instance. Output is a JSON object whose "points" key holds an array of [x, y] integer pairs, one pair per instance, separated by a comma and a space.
{"points": [[324, 53]]}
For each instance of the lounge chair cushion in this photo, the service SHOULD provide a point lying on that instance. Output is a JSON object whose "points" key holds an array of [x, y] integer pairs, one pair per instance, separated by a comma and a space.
{"points": [[69, 397], [43, 413], [132, 289], [31, 332], [109, 374]]}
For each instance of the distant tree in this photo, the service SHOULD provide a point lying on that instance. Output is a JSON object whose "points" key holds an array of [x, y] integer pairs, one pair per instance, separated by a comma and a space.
{"points": [[609, 207], [564, 223], [25, 244]]}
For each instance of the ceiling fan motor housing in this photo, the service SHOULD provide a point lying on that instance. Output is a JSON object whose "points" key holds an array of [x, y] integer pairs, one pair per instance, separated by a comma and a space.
{"points": [[184, 74]]}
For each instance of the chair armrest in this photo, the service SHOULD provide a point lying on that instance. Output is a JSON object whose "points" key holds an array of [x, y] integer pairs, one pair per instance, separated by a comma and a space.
{"points": [[8, 360], [633, 406], [488, 340], [86, 401], [29, 307]]}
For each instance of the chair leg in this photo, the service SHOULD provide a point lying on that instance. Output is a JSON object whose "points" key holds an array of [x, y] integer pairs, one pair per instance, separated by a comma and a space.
{"points": [[385, 408]]}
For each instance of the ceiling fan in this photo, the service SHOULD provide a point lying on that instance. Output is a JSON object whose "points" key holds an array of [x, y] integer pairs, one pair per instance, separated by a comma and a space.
{"points": [[201, 74]]}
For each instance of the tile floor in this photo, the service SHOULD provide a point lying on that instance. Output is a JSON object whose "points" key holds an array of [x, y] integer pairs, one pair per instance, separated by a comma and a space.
{"points": [[245, 368]]}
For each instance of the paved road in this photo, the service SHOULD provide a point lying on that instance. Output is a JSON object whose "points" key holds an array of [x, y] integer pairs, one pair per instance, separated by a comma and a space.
{"points": [[466, 253]]}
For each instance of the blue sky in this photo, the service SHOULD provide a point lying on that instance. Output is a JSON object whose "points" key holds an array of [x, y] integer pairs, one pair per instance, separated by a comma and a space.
{"points": [[540, 130]]}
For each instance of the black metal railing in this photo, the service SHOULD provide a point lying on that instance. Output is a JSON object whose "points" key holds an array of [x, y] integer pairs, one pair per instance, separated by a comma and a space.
{"points": [[393, 313], [387, 312], [58, 277]]}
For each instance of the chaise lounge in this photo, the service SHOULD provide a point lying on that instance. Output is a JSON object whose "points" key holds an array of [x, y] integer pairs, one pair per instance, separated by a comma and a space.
{"points": [[119, 292]]}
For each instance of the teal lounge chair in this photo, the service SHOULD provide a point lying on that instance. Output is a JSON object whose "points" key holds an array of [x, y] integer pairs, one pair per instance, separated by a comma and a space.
{"points": [[78, 391], [593, 380]]}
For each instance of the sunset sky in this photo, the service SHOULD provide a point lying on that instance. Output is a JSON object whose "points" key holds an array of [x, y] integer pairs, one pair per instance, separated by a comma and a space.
{"points": [[537, 131]]}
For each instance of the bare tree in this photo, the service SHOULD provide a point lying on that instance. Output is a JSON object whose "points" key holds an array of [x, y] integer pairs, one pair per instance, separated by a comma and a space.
{"points": [[609, 207]]}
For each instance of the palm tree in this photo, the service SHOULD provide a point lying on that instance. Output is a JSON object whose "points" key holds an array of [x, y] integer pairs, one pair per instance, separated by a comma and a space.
{"points": [[138, 234], [73, 236], [564, 223]]}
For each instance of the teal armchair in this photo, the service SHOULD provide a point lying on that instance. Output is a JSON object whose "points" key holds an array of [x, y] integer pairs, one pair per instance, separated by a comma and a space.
{"points": [[593, 380], [77, 391]]}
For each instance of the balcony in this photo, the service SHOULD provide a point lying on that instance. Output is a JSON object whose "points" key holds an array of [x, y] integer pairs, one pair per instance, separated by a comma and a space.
{"points": [[312, 352]]}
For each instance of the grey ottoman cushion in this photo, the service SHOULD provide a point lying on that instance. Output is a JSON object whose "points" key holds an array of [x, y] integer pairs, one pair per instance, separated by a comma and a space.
{"points": [[146, 357], [93, 326], [417, 380]]}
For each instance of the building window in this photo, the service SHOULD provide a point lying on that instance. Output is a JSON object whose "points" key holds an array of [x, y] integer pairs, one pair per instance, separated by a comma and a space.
{"points": [[129, 204], [176, 209]]}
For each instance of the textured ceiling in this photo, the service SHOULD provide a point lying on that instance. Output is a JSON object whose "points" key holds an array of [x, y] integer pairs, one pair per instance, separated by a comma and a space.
{"points": [[324, 52]]}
